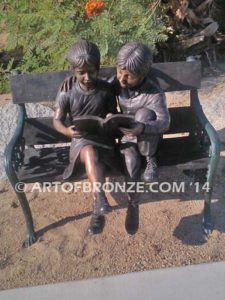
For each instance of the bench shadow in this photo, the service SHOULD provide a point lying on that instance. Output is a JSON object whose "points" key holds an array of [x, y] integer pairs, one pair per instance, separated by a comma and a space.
{"points": [[70, 219], [62, 222], [189, 229]]}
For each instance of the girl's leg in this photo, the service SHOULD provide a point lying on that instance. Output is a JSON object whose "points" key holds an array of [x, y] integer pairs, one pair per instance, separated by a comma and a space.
{"points": [[95, 173]]}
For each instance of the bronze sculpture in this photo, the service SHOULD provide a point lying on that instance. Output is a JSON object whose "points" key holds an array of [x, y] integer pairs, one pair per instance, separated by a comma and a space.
{"points": [[137, 95]]}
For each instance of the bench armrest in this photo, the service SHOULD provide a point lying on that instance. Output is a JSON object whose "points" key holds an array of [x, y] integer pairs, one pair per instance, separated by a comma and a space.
{"points": [[14, 149]]}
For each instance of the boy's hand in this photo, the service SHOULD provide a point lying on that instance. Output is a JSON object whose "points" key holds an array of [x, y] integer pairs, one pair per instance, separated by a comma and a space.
{"points": [[109, 115], [135, 131], [71, 132]]}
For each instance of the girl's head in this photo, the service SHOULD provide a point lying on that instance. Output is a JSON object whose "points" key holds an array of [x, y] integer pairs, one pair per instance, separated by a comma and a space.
{"points": [[133, 64], [84, 59], [83, 52]]}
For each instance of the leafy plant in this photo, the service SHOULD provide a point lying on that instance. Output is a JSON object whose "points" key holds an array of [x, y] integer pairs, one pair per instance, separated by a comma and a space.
{"points": [[123, 21], [46, 29], [4, 75]]}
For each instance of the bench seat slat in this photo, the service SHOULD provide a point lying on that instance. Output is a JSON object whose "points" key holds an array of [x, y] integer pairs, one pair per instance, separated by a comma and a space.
{"points": [[179, 150], [48, 164]]}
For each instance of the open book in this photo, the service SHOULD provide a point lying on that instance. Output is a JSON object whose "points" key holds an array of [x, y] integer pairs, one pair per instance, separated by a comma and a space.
{"points": [[110, 126]]}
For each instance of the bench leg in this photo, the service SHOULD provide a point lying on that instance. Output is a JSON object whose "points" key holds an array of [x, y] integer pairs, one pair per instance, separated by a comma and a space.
{"points": [[214, 154], [31, 236], [207, 221]]}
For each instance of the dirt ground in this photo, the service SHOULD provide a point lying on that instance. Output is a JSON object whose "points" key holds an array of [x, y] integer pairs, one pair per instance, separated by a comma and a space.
{"points": [[169, 231], [169, 235]]}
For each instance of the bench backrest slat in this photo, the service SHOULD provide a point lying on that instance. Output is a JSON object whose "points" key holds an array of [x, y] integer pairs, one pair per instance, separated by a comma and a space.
{"points": [[34, 87]]}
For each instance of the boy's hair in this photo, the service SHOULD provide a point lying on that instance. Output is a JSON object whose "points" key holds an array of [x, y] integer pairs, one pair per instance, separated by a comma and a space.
{"points": [[83, 52], [135, 57]]}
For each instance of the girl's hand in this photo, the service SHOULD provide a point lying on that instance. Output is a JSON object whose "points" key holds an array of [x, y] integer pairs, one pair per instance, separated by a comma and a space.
{"points": [[71, 132]]}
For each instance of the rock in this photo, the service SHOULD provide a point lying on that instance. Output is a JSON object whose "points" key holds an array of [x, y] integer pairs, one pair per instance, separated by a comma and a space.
{"points": [[14, 204], [8, 117]]}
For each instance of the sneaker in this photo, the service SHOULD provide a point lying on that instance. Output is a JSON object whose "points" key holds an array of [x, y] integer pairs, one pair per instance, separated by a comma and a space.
{"points": [[96, 224], [132, 218], [151, 170], [101, 206]]}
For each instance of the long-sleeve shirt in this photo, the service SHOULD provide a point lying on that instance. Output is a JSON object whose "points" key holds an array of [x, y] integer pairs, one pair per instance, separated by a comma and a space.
{"points": [[148, 95]]}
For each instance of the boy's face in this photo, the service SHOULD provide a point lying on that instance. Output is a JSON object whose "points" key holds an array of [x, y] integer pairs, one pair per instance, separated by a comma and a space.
{"points": [[128, 79], [86, 76]]}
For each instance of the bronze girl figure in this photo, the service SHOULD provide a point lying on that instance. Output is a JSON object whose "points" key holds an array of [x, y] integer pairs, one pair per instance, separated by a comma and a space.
{"points": [[85, 94]]}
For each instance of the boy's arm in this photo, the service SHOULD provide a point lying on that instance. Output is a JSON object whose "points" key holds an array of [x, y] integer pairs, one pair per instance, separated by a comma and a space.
{"points": [[157, 103], [112, 103]]}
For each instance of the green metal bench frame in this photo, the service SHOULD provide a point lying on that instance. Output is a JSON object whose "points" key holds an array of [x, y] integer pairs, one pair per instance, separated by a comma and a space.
{"points": [[177, 76]]}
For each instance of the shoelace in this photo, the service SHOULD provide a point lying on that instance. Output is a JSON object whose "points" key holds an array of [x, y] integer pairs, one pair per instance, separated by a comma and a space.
{"points": [[151, 164]]}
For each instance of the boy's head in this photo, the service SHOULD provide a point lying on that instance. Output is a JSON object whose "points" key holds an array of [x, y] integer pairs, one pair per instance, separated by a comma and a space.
{"points": [[84, 59], [133, 64]]}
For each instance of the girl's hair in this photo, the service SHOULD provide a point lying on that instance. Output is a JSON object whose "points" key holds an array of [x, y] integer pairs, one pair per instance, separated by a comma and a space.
{"points": [[83, 52], [135, 57]]}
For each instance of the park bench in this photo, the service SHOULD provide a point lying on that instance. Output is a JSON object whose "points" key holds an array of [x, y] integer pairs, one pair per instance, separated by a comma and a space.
{"points": [[23, 164]]}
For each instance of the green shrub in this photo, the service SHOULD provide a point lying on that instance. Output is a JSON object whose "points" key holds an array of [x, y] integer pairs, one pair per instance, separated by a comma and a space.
{"points": [[46, 29], [4, 76]]}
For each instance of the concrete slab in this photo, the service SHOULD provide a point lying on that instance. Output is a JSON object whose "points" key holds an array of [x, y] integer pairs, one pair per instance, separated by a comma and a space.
{"points": [[200, 282]]}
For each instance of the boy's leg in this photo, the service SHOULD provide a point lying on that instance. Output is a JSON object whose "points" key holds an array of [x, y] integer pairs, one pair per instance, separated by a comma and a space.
{"points": [[132, 160], [133, 163], [148, 149], [147, 144]]}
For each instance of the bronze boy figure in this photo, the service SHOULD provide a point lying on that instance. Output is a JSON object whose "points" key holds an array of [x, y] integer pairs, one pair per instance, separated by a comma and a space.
{"points": [[84, 94], [140, 97]]}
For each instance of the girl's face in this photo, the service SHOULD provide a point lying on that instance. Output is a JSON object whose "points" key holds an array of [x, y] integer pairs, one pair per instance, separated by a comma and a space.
{"points": [[86, 76], [128, 79]]}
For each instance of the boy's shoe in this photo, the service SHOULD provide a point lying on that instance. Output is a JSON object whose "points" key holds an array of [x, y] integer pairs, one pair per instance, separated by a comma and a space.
{"points": [[101, 205], [132, 218], [151, 170], [96, 224]]}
